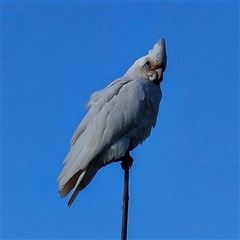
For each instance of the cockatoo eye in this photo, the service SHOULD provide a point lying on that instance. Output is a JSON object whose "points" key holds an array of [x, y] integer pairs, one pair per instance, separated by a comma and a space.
{"points": [[147, 66]]}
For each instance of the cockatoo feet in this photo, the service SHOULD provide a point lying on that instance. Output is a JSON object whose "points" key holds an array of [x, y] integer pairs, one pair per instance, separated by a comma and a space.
{"points": [[127, 161]]}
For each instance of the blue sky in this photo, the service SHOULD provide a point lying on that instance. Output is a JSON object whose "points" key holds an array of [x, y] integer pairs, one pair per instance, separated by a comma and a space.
{"points": [[184, 183]]}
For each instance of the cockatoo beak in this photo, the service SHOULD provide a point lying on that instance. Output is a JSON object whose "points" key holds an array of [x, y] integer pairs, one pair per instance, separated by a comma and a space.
{"points": [[160, 74], [156, 73]]}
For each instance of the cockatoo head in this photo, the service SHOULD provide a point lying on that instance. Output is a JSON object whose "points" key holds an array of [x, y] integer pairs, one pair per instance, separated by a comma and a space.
{"points": [[151, 66]]}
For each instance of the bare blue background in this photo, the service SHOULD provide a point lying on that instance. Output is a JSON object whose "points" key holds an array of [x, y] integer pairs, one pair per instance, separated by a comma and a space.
{"points": [[184, 182]]}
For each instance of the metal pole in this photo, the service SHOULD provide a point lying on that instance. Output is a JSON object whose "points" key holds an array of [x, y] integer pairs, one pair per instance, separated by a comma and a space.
{"points": [[126, 164]]}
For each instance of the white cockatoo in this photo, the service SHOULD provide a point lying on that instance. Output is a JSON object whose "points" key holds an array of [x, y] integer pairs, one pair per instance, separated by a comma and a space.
{"points": [[119, 118]]}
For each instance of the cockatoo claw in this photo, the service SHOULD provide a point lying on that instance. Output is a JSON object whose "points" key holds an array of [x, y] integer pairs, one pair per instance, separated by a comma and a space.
{"points": [[127, 161]]}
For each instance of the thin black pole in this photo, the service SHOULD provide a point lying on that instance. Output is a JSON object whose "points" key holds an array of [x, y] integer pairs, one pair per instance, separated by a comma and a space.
{"points": [[127, 161], [125, 205]]}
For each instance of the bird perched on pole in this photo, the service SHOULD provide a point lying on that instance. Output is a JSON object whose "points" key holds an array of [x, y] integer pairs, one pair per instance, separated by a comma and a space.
{"points": [[120, 117]]}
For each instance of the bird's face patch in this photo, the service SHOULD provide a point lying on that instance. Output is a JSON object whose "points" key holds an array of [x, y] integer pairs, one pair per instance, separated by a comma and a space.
{"points": [[152, 71]]}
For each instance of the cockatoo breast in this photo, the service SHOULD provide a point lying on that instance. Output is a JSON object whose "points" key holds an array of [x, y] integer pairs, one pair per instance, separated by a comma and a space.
{"points": [[153, 95]]}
